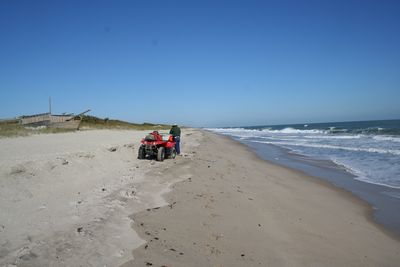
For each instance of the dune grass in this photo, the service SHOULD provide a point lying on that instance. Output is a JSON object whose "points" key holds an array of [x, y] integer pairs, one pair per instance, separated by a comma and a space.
{"points": [[15, 129], [12, 128], [98, 123]]}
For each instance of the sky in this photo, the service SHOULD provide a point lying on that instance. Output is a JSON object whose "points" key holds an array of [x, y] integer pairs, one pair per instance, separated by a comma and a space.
{"points": [[202, 63]]}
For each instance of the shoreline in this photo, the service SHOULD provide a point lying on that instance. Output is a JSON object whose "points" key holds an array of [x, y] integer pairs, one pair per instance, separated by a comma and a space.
{"points": [[198, 229], [351, 196], [383, 207]]}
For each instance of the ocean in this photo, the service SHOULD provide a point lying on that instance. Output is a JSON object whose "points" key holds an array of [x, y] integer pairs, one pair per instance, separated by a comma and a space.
{"points": [[368, 149], [362, 157]]}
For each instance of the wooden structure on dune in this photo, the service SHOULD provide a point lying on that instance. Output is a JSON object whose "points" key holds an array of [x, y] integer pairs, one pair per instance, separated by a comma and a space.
{"points": [[65, 121]]}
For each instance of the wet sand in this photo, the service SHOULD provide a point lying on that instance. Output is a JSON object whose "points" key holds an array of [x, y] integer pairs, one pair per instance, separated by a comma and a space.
{"points": [[384, 200]]}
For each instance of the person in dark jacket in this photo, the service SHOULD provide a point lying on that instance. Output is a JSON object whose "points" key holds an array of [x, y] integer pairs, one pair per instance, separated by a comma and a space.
{"points": [[176, 133]]}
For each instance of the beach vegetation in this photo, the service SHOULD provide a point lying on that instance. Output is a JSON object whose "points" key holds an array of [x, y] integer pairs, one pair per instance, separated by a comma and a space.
{"points": [[107, 123], [13, 128]]}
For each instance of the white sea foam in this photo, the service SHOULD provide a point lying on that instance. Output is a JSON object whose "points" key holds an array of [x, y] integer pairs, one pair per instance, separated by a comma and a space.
{"points": [[333, 136], [233, 130], [370, 181], [348, 168], [370, 150], [378, 156], [386, 138], [361, 176], [287, 130]]}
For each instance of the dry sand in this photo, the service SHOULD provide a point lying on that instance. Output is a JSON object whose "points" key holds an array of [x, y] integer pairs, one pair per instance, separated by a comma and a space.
{"points": [[65, 199], [79, 199]]}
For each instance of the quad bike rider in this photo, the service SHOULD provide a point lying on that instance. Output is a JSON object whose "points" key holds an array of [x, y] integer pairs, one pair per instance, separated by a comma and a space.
{"points": [[155, 144]]}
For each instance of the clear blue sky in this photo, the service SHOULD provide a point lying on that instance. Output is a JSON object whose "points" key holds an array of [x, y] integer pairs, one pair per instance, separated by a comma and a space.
{"points": [[202, 63]]}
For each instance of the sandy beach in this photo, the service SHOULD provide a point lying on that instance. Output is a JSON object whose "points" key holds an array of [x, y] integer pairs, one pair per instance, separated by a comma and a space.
{"points": [[84, 199], [66, 198]]}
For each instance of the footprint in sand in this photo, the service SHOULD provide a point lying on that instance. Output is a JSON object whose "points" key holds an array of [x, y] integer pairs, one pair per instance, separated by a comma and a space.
{"points": [[217, 236], [131, 145], [5, 247], [185, 176], [172, 205], [63, 161], [50, 166], [26, 254], [18, 169], [85, 155], [112, 149], [129, 193], [215, 251]]}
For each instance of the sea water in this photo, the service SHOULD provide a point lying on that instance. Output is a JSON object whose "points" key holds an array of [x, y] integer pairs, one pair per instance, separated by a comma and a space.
{"points": [[370, 150]]}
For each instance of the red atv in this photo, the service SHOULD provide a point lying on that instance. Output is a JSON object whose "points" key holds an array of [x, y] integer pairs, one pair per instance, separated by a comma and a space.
{"points": [[155, 144]]}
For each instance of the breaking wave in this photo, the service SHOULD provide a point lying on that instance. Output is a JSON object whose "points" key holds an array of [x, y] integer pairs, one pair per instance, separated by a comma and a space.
{"points": [[373, 147], [369, 150]]}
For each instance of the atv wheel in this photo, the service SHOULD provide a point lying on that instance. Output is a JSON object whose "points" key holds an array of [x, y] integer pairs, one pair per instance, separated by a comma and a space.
{"points": [[160, 154], [172, 155], [142, 152]]}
